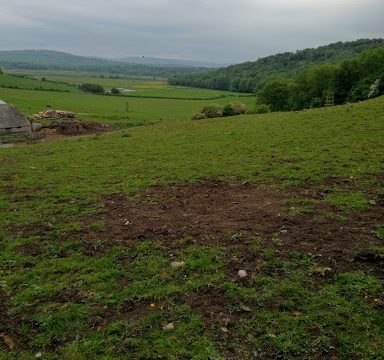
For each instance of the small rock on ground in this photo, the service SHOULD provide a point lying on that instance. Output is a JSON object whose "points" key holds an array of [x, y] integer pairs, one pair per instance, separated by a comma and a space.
{"points": [[169, 326], [242, 274], [177, 264]]}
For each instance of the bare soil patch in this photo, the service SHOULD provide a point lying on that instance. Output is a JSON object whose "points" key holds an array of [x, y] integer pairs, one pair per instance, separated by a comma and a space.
{"points": [[69, 128], [7, 324], [77, 127], [215, 213]]}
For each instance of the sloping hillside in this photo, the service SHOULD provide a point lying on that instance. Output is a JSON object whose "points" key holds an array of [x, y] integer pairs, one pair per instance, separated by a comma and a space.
{"points": [[253, 237], [251, 76]]}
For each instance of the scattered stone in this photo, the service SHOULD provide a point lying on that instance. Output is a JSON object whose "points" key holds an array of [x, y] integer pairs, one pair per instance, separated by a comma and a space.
{"points": [[242, 274], [284, 231], [372, 202], [297, 313], [38, 355], [169, 326], [177, 264], [245, 308], [224, 329], [322, 271], [226, 322], [127, 223], [36, 127]]}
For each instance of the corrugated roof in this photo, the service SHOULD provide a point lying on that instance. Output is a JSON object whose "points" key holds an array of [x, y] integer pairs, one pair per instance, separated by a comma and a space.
{"points": [[11, 118]]}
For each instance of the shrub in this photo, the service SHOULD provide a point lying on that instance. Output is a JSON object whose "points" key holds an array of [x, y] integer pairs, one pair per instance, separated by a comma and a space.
{"points": [[115, 91], [212, 111], [93, 88], [262, 109], [233, 109], [199, 116]]}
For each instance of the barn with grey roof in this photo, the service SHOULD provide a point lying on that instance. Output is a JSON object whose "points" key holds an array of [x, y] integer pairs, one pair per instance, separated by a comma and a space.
{"points": [[12, 122]]}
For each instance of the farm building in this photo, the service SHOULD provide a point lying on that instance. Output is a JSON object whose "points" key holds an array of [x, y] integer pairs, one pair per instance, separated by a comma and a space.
{"points": [[12, 122]]}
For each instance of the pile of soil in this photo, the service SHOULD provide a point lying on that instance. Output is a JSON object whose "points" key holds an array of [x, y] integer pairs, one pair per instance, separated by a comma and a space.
{"points": [[77, 127]]}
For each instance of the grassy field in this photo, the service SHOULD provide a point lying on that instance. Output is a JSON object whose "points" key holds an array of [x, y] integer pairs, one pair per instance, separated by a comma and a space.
{"points": [[152, 101], [110, 108], [16, 82], [90, 228], [143, 86]]}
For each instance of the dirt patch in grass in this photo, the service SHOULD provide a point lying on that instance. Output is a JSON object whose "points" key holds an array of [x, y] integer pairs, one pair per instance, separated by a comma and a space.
{"points": [[203, 211], [213, 213], [214, 307], [131, 311], [8, 336]]}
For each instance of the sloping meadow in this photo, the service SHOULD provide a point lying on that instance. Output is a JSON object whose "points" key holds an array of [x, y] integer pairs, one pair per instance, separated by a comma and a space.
{"points": [[129, 245]]}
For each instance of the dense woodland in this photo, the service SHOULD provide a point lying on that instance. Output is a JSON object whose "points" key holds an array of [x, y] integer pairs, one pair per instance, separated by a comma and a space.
{"points": [[59, 61], [252, 76], [351, 81]]}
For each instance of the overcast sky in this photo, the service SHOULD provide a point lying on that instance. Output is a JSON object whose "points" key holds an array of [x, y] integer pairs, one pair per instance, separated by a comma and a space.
{"points": [[224, 31]]}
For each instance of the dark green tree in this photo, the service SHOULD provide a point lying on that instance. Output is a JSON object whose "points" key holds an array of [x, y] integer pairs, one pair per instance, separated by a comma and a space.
{"points": [[277, 95], [93, 88]]}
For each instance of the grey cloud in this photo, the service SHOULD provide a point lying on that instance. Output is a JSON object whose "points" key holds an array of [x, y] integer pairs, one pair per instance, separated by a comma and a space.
{"points": [[215, 30]]}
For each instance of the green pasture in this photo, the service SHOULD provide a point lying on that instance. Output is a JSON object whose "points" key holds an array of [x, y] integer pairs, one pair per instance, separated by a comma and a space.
{"points": [[66, 301], [110, 108], [143, 86], [290, 148], [16, 82]]}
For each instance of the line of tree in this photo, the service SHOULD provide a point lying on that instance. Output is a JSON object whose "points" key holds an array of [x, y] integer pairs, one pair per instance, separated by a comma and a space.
{"points": [[252, 76], [350, 81]]}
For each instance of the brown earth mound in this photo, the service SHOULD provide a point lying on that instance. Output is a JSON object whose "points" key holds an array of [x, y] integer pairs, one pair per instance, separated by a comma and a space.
{"points": [[76, 127]]}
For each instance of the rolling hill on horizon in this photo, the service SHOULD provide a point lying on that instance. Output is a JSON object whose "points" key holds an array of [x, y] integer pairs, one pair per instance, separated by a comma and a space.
{"points": [[148, 60], [252, 75], [61, 61]]}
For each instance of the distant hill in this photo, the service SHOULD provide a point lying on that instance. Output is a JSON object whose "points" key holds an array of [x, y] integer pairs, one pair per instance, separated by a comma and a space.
{"points": [[144, 60], [251, 76], [60, 61]]}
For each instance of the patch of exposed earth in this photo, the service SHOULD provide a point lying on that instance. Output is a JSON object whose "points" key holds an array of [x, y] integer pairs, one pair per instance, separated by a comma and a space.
{"points": [[213, 213]]}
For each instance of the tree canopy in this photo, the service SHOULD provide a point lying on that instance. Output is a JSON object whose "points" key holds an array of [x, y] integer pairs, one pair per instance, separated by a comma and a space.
{"points": [[252, 76]]}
